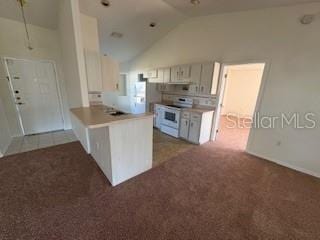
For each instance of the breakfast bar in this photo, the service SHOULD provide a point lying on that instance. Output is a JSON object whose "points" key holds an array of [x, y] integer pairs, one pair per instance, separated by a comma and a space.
{"points": [[120, 143]]}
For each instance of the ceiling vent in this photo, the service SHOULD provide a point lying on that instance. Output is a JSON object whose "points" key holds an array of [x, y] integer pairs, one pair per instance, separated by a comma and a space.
{"points": [[116, 35]]}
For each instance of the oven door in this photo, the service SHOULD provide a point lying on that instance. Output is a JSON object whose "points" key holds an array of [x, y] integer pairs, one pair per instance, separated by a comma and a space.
{"points": [[171, 118]]}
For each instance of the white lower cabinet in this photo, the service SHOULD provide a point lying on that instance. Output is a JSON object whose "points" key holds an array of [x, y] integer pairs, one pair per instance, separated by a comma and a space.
{"points": [[194, 130], [184, 128], [196, 127]]}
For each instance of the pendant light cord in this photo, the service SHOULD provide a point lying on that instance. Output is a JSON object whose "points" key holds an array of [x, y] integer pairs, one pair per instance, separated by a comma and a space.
{"points": [[25, 23]]}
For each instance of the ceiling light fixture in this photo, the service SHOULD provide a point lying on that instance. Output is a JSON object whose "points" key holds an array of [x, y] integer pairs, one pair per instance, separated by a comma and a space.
{"points": [[116, 35], [195, 2], [105, 3], [22, 3], [307, 19]]}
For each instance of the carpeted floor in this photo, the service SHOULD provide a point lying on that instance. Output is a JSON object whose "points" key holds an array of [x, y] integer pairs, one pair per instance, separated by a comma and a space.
{"points": [[203, 193]]}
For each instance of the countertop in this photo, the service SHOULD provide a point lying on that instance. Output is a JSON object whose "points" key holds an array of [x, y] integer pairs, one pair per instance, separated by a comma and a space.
{"points": [[195, 109], [198, 110], [96, 117]]}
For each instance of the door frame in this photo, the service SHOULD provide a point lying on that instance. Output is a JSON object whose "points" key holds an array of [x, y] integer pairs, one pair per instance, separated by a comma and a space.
{"points": [[58, 87], [221, 91]]}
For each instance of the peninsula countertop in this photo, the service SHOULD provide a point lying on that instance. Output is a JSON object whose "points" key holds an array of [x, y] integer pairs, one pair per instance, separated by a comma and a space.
{"points": [[96, 116]]}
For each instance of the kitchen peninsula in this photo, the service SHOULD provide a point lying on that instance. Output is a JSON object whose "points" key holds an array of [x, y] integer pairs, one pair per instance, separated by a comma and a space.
{"points": [[120, 143]]}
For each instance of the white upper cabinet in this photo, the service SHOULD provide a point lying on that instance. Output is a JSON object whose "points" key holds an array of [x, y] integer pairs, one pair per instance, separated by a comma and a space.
{"points": [[155, 76], [152, 73], [209, 78], [202, 78], [166, 75], [185, 72], [93, 71], [175, 74], [110, 74], [195, 73]]}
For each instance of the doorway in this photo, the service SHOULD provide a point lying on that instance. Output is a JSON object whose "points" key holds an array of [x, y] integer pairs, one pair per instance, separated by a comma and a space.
{"points": [[35, 92], [239, 93]]}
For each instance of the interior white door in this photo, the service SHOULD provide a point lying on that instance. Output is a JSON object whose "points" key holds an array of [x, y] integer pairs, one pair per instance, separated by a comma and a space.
{"points": [[35, 92]]}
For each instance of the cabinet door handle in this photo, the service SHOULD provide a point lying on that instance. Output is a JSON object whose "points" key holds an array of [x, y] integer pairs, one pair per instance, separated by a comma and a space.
{"points": [[196, 88], [202, 89], [186, 123]]}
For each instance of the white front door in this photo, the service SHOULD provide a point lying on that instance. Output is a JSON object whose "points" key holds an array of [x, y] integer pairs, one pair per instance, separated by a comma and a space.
{"points": [[35, 92]]}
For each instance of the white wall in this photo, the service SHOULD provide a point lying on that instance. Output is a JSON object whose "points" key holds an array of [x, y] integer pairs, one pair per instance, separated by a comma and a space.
{"points": [[241, 91], [292, 84], [5, 136], [13, 44], [69, 28]]}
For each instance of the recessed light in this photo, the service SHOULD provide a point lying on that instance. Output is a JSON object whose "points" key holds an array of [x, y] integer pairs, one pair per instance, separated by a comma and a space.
{"points": [[307, 19], [195, 2], [105, 3], [116, 35], [153, 24]]}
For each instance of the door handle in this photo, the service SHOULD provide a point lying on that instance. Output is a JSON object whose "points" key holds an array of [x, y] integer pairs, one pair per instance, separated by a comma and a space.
{"points": [[16, 91], [20, 103]]}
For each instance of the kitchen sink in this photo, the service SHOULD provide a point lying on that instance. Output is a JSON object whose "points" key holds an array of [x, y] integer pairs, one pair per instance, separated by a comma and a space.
{"points": [[117, 113]]}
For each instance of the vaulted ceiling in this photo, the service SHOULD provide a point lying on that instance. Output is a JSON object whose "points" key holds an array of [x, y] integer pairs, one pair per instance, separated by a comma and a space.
{"points": [[43, 13], [132, 18]]}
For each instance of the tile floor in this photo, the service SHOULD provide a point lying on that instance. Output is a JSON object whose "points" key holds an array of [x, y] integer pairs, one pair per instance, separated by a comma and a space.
{"points": [[32, 142], [166, 147]]}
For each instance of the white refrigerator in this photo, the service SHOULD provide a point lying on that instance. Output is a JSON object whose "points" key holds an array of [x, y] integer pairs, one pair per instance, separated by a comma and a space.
{"points": [[139, 98]]}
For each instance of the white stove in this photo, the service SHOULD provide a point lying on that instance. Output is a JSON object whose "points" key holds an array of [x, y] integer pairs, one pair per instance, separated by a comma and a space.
{"points": [[170, 123]]}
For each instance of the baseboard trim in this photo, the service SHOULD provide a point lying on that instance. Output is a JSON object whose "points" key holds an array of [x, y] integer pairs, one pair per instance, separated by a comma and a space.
{"points": [[284, 164]]}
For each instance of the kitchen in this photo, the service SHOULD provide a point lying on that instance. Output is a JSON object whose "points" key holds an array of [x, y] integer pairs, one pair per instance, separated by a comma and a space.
{"points": [[188, 100], [176, 101]]}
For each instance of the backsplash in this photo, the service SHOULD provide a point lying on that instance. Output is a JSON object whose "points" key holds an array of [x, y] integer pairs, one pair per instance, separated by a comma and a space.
{"points": [[201, 101]]}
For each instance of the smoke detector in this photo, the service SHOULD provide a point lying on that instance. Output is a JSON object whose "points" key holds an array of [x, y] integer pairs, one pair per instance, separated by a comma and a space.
{"points": [[116, 35], [152, 24], [307, 19]]}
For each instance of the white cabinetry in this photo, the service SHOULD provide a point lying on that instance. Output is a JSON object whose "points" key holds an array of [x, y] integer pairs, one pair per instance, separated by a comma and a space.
{"points": [[102, 72], [110, 74], [151, 74], [93, 70], [194, 130], [209, 78], [184, 125], [181, 74], [196, 127]]}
